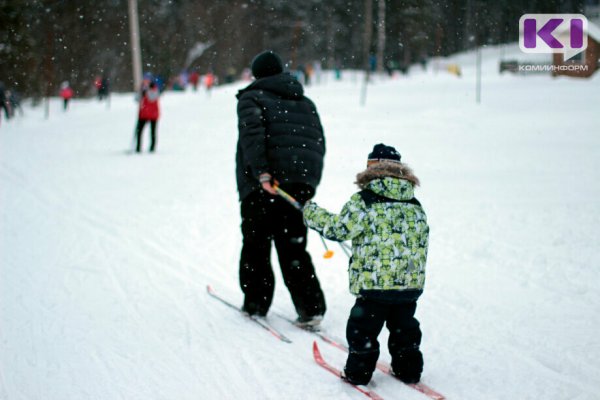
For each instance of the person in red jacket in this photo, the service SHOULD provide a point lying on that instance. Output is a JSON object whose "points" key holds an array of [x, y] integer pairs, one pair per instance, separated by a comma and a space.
{"points": [[209, 81], [194, 79], [149, 112], [66, 93]]}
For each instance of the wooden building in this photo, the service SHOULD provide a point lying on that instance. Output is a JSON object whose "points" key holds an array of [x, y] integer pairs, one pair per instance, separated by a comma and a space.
{"points": [[589, 59]]}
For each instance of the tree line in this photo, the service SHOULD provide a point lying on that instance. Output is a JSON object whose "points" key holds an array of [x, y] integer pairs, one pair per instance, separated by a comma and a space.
{"points": [[45, 42]]}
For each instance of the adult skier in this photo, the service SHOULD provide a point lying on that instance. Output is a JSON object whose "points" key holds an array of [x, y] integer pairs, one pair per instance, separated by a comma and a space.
{"points": [[281, 142]]}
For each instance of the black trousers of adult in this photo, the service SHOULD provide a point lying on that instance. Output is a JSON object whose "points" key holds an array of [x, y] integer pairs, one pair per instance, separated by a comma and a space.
{"points": [[364, 325], [267, 219], [138, 133]]}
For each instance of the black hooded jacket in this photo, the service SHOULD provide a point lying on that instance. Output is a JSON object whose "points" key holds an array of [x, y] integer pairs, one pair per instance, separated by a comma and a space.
{"points": [[279, 132]]}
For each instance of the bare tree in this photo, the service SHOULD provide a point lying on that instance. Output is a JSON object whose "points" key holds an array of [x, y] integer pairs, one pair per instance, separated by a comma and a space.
{"points": [[368, 34], [380, 35]]}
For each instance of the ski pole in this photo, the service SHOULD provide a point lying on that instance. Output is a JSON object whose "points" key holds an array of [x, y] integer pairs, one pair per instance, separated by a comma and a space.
{"points": [[328, 253], [289, 198], [298, 206], [345, 248]]}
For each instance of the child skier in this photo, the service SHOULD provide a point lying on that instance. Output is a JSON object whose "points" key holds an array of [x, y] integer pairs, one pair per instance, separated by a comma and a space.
{"points": [[390, 235]]}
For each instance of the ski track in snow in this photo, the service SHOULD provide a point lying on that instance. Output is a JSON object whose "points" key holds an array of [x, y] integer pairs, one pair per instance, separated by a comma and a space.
{"points": [[105, 256]]}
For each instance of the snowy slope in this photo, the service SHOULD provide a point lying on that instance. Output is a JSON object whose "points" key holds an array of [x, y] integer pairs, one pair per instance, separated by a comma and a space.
{"points": [[105, 256]]}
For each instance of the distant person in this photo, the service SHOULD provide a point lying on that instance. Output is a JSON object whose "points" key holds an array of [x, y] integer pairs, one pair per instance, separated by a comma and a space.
{"points": [[230, 76], [194, 79], [301, 74], [280, 141], [176, 84], [160, 83], [14, 101], [337, 69], [390, 237], [372, 63], [104, 90], [148, 112], [66, 93], [209, 81], [309, 70], [318, 70], [246, 74], [98, 86], [184, 79]]}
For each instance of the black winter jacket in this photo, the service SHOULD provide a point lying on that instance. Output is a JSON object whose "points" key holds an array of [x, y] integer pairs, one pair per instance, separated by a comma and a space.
{"points": [[279, 132]]}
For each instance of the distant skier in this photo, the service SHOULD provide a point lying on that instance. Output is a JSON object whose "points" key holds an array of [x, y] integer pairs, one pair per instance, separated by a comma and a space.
{"points": [[148, 112], [66, 93], [194, 79], [337, 69], [14, 100], [280, 139], [103, 86], [230, 75], [97, 86], [209, 81], [390, 236]]}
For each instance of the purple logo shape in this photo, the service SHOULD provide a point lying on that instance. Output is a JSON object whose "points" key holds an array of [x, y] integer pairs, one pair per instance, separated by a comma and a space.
{"points": [[576, 33], [531, 33]]}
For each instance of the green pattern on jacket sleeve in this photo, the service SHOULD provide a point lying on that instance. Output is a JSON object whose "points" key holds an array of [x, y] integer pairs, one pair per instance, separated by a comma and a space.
{"points": [[339, 227]]}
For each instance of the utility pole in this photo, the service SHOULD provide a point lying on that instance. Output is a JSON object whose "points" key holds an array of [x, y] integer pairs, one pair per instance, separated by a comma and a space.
{"points": [[367, 48], [49, 69], [136, 50], [478, 39], [478, 75]]}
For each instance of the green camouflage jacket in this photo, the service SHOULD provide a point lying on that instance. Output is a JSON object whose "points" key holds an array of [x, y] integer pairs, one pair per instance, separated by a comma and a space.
{"points": [[389, 234]]}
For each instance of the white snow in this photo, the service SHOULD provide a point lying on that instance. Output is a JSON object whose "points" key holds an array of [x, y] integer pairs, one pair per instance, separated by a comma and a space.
{"points": [[105, 256]]}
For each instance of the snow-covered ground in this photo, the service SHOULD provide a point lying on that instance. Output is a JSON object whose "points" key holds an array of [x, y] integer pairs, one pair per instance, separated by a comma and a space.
{"points": [[105, 256]]}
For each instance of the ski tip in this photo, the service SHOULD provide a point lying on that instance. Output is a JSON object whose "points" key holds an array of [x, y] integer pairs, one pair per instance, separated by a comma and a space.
{"points": [[209, 289], [317, 353], [427, 391]]}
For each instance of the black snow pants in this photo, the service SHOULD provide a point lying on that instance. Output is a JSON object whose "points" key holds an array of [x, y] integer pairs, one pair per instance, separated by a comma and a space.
{"points": [[267, 219], [364, 325], [138, 133]]}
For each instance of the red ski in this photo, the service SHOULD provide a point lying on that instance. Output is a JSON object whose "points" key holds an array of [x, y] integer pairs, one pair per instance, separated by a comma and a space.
{"points": [[386, 369], [382, 366], [258, 320], [319, 359]]}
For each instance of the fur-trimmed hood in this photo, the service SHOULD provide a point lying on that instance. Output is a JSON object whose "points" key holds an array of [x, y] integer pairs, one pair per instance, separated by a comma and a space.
{"points": [[385, 169]]}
